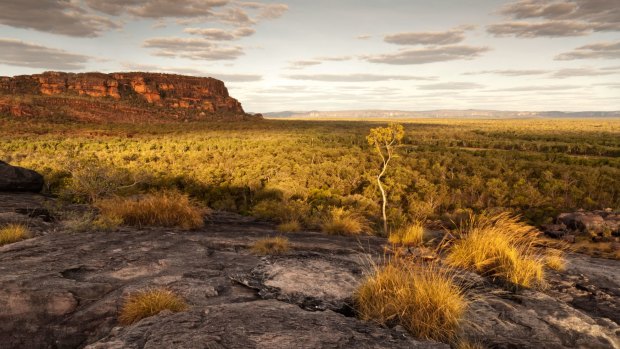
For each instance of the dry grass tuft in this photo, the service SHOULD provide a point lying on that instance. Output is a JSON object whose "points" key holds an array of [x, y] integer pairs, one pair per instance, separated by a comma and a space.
{"points": [[342, 222], [165, 209], [423, 299], [499, 246], [410, 235], [289, 227], [275, 245], [555, 260], [143, 304], [13, 233]]}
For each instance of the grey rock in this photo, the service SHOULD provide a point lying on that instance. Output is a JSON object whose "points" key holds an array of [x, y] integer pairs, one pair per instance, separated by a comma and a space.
{"points": [[257, 324], [15, 179]]}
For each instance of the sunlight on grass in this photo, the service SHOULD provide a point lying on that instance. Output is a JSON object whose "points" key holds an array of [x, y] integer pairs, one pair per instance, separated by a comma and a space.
{"points": [[271, 246], [425, 300], [13, 233], [289, 227], [165, 209], [499, 246], [410, 235], [143, 304], [342, 222]]}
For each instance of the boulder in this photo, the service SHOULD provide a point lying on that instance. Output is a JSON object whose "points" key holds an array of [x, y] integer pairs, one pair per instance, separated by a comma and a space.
{"points": [[13, 178]]}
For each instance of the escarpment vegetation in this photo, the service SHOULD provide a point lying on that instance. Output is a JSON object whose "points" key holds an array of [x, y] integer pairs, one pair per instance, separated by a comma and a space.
{"points": [[303, 170]]}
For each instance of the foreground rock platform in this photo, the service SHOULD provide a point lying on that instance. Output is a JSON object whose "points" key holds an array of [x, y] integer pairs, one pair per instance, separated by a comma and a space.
{"points": [[64, 290]]}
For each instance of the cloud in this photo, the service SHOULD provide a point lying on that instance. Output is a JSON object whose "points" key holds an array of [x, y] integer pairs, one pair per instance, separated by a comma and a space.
{"points": [[57, 17], [453, 36], [364, 37], [334, 58], [558, 18], [221, 34], [605, 50], [267, 11], [510, 72], [573, 72], [157, 8], [537, 88], [428, 55], [303, 64], [192, 71], [192, 48], [23, 54], [451, 86], [548, 29], [355, 77]]}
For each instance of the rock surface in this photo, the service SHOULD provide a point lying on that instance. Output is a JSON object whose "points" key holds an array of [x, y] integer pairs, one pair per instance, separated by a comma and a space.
{"points": [[594, 222], [13, 178], [62, 290], [117, 96]]}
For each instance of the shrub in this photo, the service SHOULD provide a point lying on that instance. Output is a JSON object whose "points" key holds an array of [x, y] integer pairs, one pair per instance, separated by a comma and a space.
{"points": [[411, 235], [425, 300], [165, 209], [289, 227], [282, 210], [13, 233], [143, 304], [88, 221], [499, 246], [275, 245], [342, 222]]}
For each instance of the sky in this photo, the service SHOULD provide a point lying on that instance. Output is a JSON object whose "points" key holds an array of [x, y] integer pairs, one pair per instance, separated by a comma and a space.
{"points": [[326, 55]]}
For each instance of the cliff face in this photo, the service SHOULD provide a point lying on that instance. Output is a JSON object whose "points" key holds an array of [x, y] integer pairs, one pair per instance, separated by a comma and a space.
{"points": [[130, 95]]}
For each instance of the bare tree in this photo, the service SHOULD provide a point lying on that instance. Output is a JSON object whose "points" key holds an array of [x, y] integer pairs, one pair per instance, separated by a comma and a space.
{"points": [[384, 140]]}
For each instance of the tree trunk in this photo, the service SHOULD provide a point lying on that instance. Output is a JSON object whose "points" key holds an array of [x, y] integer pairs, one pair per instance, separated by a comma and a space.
{"points": [[383, 204]]}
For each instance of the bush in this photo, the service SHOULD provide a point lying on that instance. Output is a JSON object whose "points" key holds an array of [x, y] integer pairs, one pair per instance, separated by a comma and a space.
{"points": [[165, 209], [88, 221], [425, 300], [143, 304], [13, 233], [410, 235], [282, 210], [275, 245], [289, 227], [342, 222], [499, 246]]}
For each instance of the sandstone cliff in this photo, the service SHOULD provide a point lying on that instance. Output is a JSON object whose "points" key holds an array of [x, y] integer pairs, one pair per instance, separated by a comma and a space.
{"points": [[117, 97]]}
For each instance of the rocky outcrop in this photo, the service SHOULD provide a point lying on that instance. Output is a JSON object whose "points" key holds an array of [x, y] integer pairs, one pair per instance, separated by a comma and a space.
{"points": [[13, 178], [89, 95], [64, 290], [601, 225]]}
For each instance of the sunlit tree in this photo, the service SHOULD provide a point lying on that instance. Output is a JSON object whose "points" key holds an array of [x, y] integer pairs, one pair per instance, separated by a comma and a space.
{"points": [[384, 141]]}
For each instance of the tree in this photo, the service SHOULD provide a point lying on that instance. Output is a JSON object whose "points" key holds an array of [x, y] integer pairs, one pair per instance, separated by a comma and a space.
{"points": [[384, 140]]}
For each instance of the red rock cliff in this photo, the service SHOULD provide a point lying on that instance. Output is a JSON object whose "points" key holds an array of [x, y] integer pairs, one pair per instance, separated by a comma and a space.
{"points": [[166, 95]]}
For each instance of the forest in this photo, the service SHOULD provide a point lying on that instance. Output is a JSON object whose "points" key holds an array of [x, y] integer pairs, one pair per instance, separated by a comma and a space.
{"points": [[296, 170]]}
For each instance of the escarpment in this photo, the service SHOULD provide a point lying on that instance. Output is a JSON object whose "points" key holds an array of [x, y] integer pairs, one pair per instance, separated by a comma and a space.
{"points": [[118, 97]]}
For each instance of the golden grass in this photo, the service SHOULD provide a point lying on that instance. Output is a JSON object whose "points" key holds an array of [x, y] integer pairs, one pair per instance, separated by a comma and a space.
{"points": [[275, 245], [555, 260], [499, 246], [410, 235], [342, 222], [289, 227], [425, 300], [143, 304], [13, 233], [165, 209]]}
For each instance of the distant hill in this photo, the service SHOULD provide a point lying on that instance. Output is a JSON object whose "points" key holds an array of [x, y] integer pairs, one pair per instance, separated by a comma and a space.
{"points": [[118, 97], [442, 113]]}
